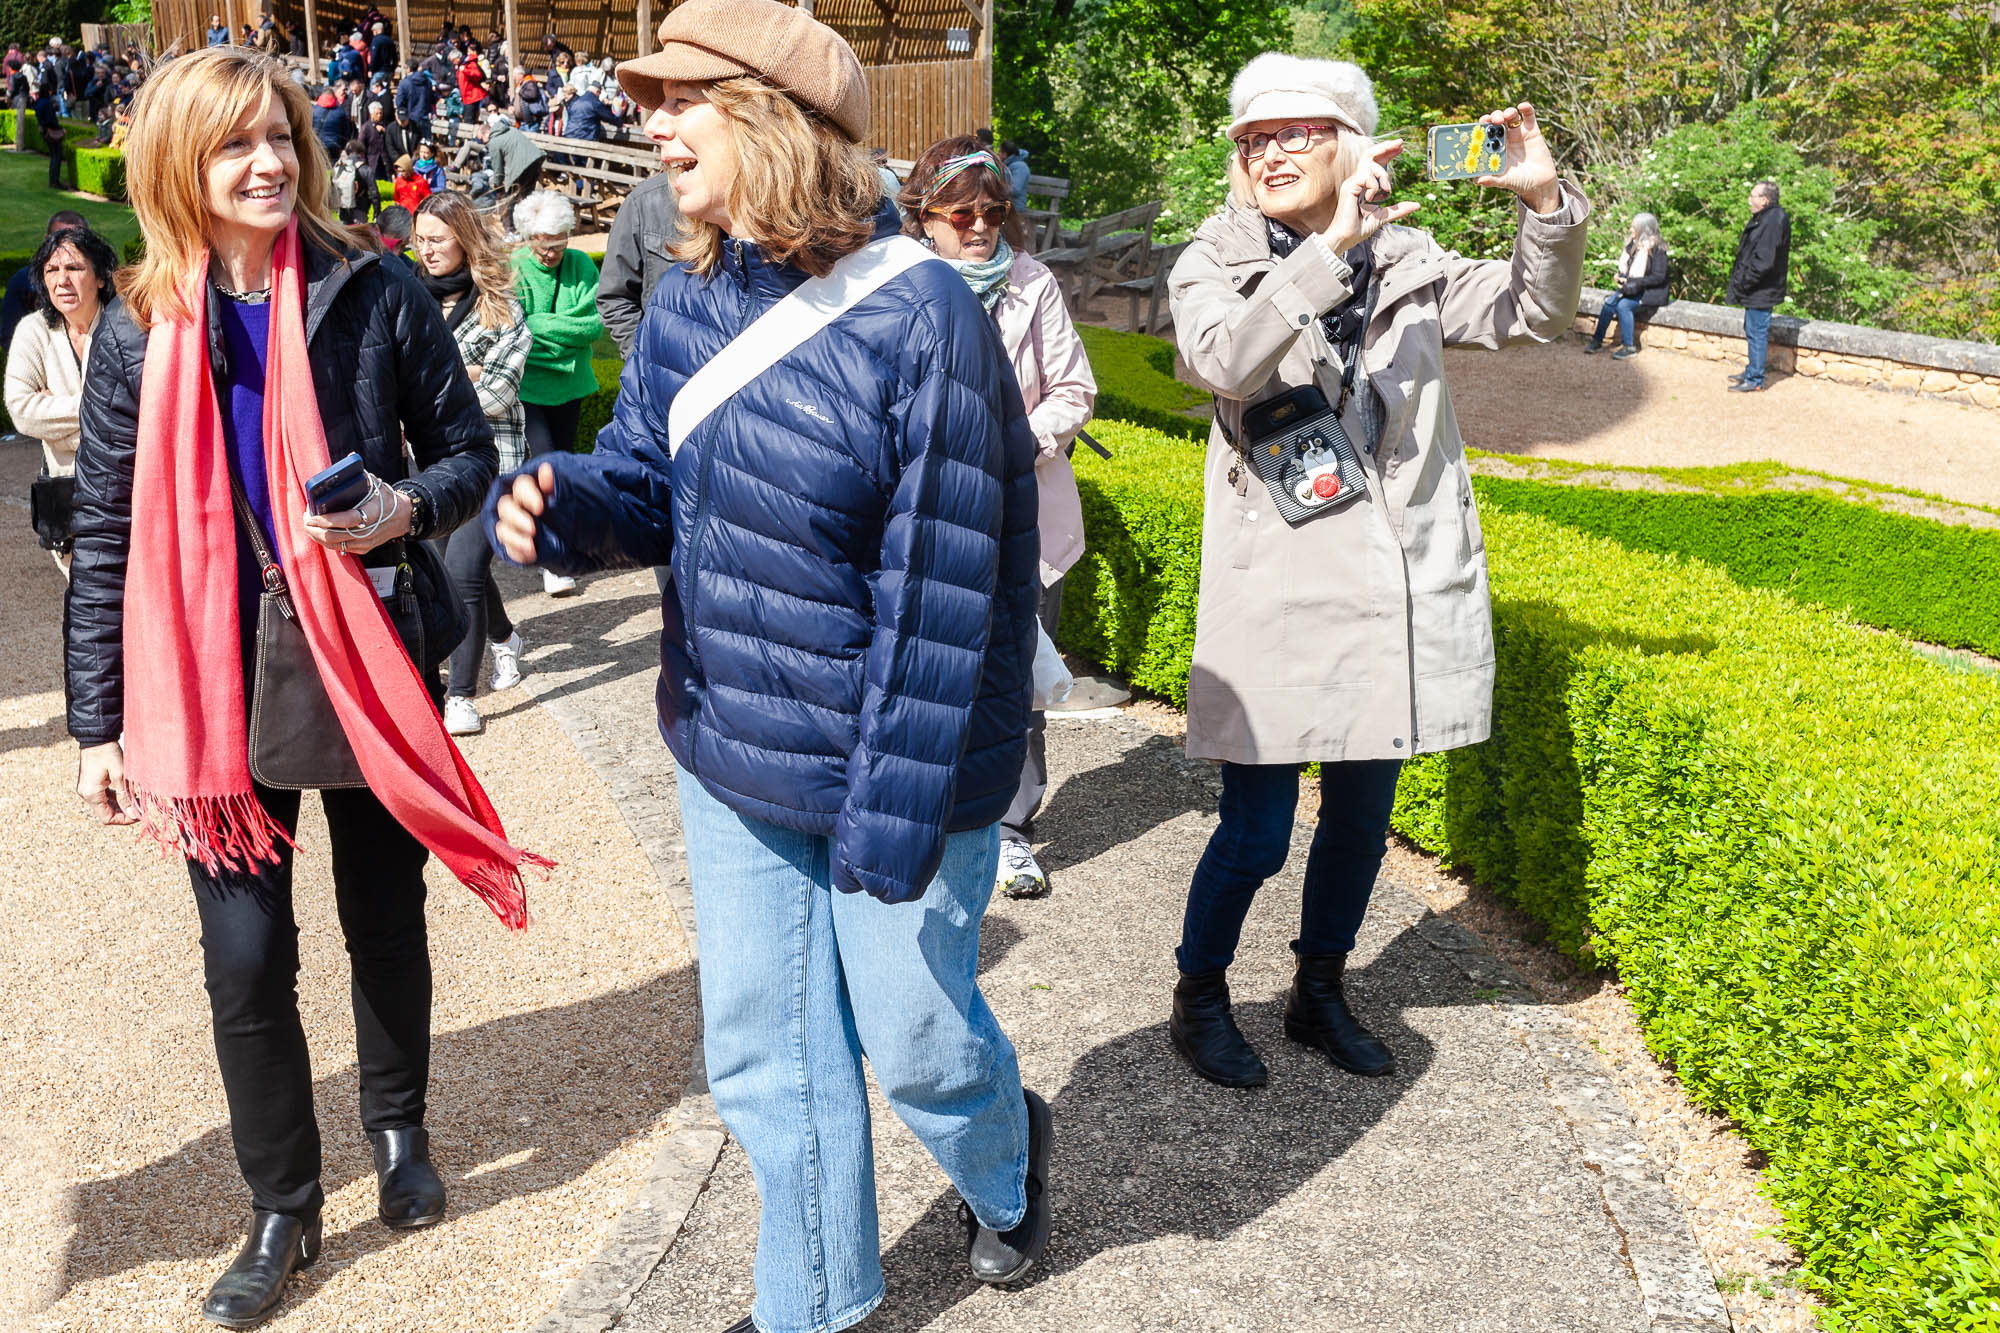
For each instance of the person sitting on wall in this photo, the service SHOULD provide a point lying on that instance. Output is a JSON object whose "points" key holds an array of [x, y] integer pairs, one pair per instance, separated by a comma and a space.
{"points": [[1641, 286]]}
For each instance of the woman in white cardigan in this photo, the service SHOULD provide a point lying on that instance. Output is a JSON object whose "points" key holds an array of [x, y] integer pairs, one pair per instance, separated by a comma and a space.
{"points": [[958, 202], [72, 280]]}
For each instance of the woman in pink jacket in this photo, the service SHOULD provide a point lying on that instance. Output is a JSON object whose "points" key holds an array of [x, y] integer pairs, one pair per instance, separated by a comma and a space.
{"points": [[957, 202]]}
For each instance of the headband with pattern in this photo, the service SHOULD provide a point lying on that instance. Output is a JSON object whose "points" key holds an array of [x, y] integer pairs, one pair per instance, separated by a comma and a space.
{"points": [[952, 168]]}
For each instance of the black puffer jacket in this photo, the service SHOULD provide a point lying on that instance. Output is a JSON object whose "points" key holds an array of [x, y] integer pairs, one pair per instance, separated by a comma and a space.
{"points": [[383, 367]]}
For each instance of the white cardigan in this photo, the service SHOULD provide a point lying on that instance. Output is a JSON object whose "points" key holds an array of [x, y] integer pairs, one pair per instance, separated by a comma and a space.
{"points": [[45, 387]]}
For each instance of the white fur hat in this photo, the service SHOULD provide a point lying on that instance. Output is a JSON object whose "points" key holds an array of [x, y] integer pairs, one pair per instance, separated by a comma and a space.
{"points": [[1282, 87]]}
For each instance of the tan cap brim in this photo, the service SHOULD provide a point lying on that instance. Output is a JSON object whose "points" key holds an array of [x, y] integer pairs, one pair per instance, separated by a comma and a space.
{"points": [[676, 62]]}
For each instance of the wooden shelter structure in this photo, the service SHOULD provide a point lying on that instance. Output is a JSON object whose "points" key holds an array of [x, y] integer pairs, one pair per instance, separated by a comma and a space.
{"points": [[929, 62]]}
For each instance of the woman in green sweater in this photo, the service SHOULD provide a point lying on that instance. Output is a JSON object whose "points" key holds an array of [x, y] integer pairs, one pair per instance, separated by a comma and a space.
{"points": [[558, 290]]}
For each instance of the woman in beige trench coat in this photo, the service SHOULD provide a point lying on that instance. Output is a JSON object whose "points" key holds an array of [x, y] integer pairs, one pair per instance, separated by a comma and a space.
{"points": [[1363, 634]]}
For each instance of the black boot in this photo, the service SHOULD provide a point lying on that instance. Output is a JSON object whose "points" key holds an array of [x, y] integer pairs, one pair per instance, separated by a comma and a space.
{"points": [[1204, 1032], [1006, 1256], [1316, 1015], [743, 1325], [410, 1193], [279, 1245]]}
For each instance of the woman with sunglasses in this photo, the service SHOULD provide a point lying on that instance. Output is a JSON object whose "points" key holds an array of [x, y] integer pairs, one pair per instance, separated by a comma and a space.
{"points": [[1349, 624], [957, 202]]}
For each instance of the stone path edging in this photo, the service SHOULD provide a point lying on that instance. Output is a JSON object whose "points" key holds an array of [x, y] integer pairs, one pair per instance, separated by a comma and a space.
{"points": [[659, 1208], [1673, 1274]]}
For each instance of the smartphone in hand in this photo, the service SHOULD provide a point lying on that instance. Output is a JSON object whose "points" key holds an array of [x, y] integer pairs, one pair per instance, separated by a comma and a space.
{"points": [[342, 486], [1461, 152]]}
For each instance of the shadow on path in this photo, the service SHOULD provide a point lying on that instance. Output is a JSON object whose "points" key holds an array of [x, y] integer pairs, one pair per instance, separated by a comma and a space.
{"points": [[523, 1103], [1145, 1149]]}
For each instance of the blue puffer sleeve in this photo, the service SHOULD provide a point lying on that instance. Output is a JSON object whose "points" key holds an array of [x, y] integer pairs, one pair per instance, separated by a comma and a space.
{"points": [[612, 508], [934, 604]]}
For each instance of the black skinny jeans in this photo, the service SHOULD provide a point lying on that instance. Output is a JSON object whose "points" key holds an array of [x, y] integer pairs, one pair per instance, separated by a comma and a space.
{"points": [[250, 958], [469, 561], [551, 427], [1254, 839]]}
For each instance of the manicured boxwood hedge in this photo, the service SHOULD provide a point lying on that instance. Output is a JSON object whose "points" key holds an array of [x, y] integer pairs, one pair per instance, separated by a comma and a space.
{"points": [[1129, 602], [1779, 827], [1136, 384], [1929, 580]]}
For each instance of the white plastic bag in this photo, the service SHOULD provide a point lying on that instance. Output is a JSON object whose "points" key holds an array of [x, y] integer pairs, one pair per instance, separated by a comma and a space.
{"points": [[1052, 679]]}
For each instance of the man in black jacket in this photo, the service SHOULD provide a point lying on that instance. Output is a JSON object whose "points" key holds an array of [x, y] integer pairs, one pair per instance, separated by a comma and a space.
{"points": [[1757, 282]]}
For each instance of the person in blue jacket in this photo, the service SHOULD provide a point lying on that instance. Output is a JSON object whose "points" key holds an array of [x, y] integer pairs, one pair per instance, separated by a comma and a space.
{"points": [[847, 653]]}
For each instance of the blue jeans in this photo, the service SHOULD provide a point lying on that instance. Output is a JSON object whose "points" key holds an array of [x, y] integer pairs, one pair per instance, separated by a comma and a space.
{"points": [[798, 982], [1621, 308], [1254, 838], [1757, 333]]}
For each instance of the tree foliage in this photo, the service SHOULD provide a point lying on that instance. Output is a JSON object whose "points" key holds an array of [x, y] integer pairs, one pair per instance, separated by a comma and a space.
{"points": [[1108, 90], [1894, 105]]}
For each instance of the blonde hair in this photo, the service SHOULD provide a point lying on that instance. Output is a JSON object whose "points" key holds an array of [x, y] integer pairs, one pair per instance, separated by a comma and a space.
{"points": [[184, 113], [802, 191], [485, 257]]}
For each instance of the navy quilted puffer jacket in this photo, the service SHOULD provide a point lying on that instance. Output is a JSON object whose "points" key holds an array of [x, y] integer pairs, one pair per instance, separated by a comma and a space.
{"points": [[849, 634]]}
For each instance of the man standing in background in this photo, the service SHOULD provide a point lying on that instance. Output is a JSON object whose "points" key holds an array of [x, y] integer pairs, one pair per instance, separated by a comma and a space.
{"points": [[1757, 282]]}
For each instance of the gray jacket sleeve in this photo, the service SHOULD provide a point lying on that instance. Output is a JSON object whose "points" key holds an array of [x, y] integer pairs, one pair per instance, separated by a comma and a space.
{"points": [[621, 285]]}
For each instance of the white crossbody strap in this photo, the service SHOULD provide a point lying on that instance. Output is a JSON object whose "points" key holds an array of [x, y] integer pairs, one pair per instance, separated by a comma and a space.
{"points": [[812, 305]]}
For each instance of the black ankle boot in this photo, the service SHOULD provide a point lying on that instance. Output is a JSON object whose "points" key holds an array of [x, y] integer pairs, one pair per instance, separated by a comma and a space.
{"points": [[410, 1193], [1316, 1015], [279, 1245], [1006, 1256], [1204, 1032]]}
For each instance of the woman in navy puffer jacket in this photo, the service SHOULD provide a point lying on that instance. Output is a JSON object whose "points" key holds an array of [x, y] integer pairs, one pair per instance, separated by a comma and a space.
{"points": [[846, 661]]}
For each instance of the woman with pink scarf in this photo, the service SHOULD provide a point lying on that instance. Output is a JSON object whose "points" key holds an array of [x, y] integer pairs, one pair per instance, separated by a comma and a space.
{"points": [[253, 346]]}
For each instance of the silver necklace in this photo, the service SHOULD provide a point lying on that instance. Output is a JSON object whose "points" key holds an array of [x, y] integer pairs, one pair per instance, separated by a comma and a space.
{"points": [[258, 297]]}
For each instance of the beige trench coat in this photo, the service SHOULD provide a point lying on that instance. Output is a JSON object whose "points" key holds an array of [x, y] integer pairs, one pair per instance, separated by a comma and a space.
{"points": [[1366, 633]]}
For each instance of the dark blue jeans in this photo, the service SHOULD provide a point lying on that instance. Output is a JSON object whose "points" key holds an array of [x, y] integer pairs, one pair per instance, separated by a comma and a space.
{"points": [[1254, 838], [1621, 308], [1757, 333]]}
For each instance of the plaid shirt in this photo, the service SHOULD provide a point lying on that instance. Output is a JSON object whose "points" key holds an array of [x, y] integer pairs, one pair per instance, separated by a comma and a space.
{"points": [[500, 354]]}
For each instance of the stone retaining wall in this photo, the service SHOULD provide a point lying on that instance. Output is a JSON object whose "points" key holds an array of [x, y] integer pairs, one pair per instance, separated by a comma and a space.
{"points": [[1960, 372]]}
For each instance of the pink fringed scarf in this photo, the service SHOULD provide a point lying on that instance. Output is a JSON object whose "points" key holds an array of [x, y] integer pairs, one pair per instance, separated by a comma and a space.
{"points": [[186, 744]]}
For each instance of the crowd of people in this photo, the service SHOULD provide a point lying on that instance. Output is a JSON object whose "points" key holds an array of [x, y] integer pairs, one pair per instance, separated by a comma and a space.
{"points": [[841, 438]]}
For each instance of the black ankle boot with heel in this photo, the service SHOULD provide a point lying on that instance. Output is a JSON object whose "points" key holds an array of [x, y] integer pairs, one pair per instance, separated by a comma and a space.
{"points": [[1205, 1033], [1316, 1015], [279, 1246], [409, 1192]]}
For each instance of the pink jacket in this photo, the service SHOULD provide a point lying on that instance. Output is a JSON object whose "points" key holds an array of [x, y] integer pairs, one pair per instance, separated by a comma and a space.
{"points": [[1058, 388]]}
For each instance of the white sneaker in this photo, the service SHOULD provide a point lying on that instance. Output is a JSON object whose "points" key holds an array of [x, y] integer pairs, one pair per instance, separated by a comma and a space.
{"points": [[1020, 875], [557, 585], [461, 716], [507, 662]]}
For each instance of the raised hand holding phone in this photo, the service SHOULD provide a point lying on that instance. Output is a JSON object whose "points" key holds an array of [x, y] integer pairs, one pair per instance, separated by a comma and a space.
{"points": [[1530, 170]]}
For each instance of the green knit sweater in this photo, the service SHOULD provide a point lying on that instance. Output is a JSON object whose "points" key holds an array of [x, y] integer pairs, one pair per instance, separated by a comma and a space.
{"points": [[562, 315]]}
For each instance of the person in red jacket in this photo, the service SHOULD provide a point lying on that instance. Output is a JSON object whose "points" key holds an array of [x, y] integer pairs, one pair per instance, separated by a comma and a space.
{"points": [[411, 189], [472, 87]]}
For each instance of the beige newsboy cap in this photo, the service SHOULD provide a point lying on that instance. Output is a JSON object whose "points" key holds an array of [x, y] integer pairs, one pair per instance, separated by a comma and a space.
{"points": [[706, 40]]}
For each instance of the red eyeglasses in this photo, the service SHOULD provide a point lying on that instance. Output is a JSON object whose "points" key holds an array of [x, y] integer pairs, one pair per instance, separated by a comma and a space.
{"points": [[961, 217]]}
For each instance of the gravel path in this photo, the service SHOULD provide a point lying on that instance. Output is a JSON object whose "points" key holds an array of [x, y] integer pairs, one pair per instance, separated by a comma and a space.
{"points": [[1477, 1189], [1663, 408], [558, 1056]]}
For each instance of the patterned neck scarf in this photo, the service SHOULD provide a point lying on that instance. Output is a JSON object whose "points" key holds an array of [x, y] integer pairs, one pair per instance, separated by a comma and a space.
{"points": [[987, 277], [1343, 322]]}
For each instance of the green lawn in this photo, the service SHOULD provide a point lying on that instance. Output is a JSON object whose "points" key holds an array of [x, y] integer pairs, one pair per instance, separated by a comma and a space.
{"points": [[26, 202]]}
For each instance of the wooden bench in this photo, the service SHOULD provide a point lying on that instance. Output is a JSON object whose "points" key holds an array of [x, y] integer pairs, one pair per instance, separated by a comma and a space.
{"points": [[600, 173], [1151, 289], [1045, 224], [1108, 250]]}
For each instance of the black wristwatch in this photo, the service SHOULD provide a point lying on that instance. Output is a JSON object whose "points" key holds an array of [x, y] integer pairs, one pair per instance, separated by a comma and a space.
{"points": [[421, 517]]}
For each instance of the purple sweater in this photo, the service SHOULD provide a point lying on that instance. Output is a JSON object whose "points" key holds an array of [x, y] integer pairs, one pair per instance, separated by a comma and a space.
{"points": [[245, 331]]}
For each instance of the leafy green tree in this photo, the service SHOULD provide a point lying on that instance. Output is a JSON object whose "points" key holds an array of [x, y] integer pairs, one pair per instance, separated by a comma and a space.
{"points": [[1697, 181], [1127, 84]]}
